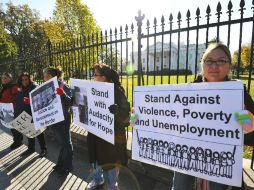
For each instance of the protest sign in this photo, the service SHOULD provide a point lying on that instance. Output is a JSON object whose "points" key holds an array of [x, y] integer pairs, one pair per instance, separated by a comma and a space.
{"points": [[46, 105], [23, 124], [90, 107], [190, 128], [6, 114]]}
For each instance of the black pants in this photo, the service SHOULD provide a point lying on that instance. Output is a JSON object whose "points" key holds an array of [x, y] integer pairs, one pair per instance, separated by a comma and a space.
{"points": [[17, 136], [62, 134], [41, 140]]}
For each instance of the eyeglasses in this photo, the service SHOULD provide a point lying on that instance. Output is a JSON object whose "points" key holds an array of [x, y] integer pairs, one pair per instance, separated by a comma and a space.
{"points": [[221, 62], [4, 78]]}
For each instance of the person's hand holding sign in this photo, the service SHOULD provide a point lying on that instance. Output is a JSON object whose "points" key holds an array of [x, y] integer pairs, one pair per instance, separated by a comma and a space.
{"points": [[113, 108], [246, 120], [59, 91], [26, 100]]}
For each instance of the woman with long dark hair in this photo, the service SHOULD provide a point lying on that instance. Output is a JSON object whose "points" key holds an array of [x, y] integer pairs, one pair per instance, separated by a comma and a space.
{"points": [[26, 85], [102, 153]]}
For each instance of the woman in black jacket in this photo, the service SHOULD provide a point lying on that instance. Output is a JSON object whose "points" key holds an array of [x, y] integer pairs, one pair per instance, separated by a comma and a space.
{"points": [[26, 85], [100, 151], [61, 130]]}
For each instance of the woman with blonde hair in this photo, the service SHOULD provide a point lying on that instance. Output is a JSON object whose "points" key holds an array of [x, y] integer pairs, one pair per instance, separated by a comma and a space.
{"points": [[216, 65]]}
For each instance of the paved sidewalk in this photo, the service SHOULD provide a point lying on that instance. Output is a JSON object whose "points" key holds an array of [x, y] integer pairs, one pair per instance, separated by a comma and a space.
{"points": [[32, 172]]}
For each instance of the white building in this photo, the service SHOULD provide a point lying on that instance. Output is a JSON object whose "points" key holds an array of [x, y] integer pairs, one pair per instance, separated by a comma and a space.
{"points": [[158, 57]]}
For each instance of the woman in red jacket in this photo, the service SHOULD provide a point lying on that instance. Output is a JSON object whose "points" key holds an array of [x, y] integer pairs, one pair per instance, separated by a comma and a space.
{"points": [[8, 95]]}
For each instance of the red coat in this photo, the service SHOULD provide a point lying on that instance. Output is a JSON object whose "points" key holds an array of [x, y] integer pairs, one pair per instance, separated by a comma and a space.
{"points": [[8, 94]]}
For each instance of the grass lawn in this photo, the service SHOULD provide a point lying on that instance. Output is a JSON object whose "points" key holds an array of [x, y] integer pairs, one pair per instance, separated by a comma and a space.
{"points": [[129, 82]]}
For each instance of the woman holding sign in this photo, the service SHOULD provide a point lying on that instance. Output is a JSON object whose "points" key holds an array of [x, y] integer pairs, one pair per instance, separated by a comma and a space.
{"points": [[61, 130], [100, 151], [8, 95], [26, 85], [216, 64]]}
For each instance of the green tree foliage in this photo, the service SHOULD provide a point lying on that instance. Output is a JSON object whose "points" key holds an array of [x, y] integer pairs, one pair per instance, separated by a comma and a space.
{"points": [[55, 32], [235, 58], [78, 21], [245, 57], [23, 25], [76, 17], [7, 46]]}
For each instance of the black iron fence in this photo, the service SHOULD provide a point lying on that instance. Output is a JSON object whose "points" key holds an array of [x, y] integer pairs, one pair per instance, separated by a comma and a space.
{"points": [[160, 52]]}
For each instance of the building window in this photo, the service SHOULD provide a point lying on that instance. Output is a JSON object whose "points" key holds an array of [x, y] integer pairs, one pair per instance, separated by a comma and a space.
{"points": [[157, 59], [165, 56], [157, 68], [144, 60]]}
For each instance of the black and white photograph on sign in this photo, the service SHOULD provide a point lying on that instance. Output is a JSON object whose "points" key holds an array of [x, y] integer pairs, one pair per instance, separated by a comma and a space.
{"points": [[191, 129], [90, 107], [46, 105], [6, 114], [44, 96], [80, 102]]}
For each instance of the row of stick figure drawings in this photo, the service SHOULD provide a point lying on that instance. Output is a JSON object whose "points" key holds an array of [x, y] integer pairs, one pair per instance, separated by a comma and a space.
{"points": [[188, 158]]}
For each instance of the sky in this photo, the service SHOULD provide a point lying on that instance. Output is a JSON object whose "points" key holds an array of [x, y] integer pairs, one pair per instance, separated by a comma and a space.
{"points": [[114, 13]]}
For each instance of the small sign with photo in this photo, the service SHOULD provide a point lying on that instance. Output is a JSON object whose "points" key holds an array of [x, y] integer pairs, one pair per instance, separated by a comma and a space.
{"points": [[46, 106]]}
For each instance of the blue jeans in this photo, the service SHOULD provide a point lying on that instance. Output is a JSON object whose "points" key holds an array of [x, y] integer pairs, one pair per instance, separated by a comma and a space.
{"points": [[186, 182], [62, 133], [111, 177], [98, 175]]}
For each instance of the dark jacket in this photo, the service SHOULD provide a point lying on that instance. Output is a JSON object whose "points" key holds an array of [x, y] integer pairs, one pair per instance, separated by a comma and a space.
{"points": [[249, 105], [103, 152], [66, 106], [20, 106], [8, 93], [65, 99]]}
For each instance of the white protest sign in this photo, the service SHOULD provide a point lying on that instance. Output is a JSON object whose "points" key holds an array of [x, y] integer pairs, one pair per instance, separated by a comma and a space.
{"points": [[90, 107], [23, 124], [190, 128], [46, 105], [6, 114]]}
